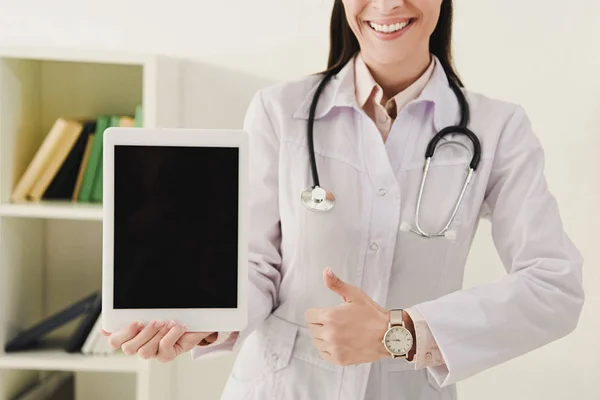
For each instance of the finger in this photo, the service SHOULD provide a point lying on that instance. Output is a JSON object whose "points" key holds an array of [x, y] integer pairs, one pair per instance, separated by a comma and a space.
{"points": [[166, 346], [326, 356], [320, 345], [190, 339], [175, 332], [315, 316], [316, 331], [104, 333], [348, 292], [117, 339], [133, 345], [150, 348]]}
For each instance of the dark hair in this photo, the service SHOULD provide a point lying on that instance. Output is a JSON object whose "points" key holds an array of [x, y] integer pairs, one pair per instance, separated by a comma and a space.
{"points": [[344, 45]]}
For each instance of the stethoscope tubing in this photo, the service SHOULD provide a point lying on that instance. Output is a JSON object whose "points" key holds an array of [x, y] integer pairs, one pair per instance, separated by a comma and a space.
{"points": [[321, 202]]}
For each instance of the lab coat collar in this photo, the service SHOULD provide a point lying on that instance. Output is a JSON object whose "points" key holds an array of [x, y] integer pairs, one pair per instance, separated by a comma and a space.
{"points": [[340, 92], [439, 93]]}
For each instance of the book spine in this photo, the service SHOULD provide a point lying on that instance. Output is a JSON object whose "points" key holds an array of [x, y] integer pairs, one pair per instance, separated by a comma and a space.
{"points": [[65, 145], [85, 194], [39, 161], [97, 186], [82, 167]]}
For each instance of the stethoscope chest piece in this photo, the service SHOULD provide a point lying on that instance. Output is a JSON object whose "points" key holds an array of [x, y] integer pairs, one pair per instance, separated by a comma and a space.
{"points": [[318, 199]]}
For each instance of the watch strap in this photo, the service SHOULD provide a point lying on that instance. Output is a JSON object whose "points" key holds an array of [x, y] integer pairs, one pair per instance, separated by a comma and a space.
{"points": [[396, 317]]}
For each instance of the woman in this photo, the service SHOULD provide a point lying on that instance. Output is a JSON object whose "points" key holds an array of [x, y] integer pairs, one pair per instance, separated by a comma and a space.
{"points": [[320, 333]]}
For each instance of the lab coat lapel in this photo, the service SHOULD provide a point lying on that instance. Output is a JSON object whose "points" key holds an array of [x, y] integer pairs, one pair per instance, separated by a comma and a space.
{"points": [[415, 125], [439, 93], [339, 92], [434, 109]]}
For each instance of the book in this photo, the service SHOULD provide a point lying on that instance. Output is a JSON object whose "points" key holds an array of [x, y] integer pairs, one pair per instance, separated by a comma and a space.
{"points": [[96, 343], [64, 182], [95, 157], [88, 308], [89, 346], [67, 140], [40, 161], [97, 185], [84, 329], [68, 164], [127, 121], [139, 116], [56, 385], [82, 166]]}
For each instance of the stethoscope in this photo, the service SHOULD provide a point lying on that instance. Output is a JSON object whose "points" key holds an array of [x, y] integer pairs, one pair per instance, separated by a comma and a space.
{"points": [[316, 198]]}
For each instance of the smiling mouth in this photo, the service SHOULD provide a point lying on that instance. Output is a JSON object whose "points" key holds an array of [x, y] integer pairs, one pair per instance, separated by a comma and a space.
{"points": [[391, 28]]}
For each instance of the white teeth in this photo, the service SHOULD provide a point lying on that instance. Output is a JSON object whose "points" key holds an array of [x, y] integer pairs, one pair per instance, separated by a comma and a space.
{"points": [[389, 28]]}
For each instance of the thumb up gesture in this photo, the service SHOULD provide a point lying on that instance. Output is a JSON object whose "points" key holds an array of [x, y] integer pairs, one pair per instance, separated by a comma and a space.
{"points": [[352, 332]]}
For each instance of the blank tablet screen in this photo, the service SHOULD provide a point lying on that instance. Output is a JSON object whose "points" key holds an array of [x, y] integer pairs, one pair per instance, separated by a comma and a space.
{"points": [[175, 227]]}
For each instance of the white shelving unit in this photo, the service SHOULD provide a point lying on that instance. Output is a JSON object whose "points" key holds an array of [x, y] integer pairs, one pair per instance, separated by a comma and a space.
{"points": [[50, 251], [61, 361]]}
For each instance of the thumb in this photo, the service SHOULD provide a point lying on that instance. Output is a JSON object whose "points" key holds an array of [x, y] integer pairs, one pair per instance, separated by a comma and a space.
{"points": [[348, 292]]}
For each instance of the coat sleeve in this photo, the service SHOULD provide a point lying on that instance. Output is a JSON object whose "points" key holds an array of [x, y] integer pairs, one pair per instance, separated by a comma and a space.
{"points": [[264, 259], [541, 297]]}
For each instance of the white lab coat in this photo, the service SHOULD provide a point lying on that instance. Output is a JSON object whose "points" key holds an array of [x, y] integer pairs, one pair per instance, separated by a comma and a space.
{"points": [[363, 239]]}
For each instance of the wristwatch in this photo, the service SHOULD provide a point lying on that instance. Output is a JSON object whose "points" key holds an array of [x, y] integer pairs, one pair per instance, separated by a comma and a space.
{"points": [[397, 339]]}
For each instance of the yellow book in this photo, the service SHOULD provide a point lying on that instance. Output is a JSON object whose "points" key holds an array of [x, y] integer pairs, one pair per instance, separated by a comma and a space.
{"points": [[69, 134], [39, 161], [126, 121]]}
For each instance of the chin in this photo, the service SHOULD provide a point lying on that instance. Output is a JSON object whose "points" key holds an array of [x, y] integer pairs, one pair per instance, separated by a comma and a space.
{"points": [[386, 57]]}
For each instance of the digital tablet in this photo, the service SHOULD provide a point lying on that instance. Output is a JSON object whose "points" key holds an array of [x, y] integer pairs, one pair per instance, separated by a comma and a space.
{"points": [[174, 227]]}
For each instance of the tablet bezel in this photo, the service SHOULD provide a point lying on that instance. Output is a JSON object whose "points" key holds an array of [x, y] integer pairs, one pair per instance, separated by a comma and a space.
{"points": [[196, 320]]}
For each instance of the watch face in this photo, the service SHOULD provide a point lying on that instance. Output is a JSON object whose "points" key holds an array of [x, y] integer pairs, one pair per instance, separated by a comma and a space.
{"points": [[398, 340]]}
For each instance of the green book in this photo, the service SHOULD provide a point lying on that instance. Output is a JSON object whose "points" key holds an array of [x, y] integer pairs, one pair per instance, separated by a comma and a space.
{"points": [[115, 120], [95, 158], [139, 117]]}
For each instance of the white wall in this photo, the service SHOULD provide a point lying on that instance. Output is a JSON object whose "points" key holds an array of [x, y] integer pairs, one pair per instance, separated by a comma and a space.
{"points": [[543, 54]]}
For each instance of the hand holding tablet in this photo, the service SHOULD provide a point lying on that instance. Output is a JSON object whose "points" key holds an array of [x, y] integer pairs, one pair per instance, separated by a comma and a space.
{"points": [[174, 232], [161, 341]]}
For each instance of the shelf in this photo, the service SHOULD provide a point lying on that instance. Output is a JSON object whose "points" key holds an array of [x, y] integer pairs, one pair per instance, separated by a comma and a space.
{"points": [[53, 210], [51, 250], [56, 360], [76, 55]]}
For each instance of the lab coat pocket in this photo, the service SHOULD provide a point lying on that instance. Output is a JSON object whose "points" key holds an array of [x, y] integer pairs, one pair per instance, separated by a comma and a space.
{"points": [[265, 351], [455, 150], [442, 189], [278, 361], [400, 384], [425, 266]]}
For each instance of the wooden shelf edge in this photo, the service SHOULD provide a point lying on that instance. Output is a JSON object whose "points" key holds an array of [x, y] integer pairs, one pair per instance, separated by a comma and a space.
{"points": [[55, 360]]}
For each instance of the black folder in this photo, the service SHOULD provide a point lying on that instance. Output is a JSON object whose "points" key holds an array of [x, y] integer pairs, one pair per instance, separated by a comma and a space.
{"points": [[31, 338]]}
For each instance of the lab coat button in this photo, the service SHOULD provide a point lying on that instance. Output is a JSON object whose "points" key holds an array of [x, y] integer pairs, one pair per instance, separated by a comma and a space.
{"points": [[374, 246], [382, 192]]}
